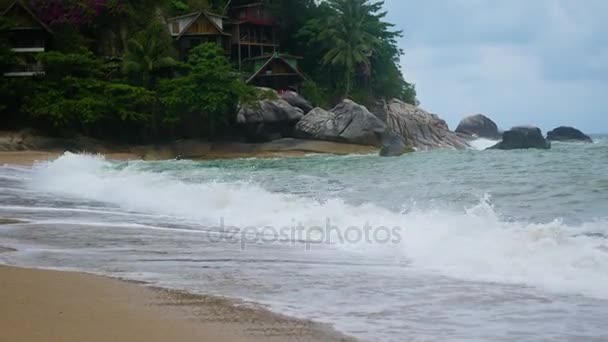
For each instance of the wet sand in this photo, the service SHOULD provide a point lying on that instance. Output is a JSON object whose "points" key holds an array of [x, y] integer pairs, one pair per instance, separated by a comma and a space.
{"points": [[41, 305], [23, 148]]}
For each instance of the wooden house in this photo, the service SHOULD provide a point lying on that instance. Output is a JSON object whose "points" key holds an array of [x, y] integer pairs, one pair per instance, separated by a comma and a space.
{"points": [[197, 28], [254, 30], [28, 37], [276, 71]]}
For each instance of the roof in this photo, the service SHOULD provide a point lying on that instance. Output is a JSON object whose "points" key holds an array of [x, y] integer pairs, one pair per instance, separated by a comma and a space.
{"points": [[195, 17], [271, 59], [282, 55], [255, 4], [34, 16], [196, 14]]}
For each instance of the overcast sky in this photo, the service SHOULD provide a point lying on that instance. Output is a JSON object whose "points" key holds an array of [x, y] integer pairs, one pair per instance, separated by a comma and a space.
{"points": [[541, 62]]}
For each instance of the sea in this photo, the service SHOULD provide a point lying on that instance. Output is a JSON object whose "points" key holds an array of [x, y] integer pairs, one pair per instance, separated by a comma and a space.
{"points": [[444, 245]]}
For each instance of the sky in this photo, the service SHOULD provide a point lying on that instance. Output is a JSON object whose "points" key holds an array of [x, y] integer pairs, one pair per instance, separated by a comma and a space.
{"points": [[520, 62]]}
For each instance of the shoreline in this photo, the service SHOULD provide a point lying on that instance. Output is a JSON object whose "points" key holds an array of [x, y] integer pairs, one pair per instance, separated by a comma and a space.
{"points": [[50, 305], [24, 149], [40, 308]]}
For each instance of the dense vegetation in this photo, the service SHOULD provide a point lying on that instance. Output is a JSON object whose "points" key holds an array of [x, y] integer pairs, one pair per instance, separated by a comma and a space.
{"points": [[113, 72]]}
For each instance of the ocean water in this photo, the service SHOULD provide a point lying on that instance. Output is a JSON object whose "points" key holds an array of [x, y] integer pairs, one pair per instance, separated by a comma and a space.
{"points": [[443, 245]]}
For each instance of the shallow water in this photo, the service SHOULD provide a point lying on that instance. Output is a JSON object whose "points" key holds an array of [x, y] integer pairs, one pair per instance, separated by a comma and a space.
{"points": [[461, 245]]}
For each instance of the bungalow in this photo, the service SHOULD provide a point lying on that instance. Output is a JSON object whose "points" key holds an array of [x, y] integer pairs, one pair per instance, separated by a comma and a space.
{"points": [[276, 71], [194, 29], [28, 37], [254, 30]]}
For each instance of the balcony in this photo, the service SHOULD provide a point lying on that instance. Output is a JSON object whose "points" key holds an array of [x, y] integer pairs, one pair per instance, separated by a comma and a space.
{"points": [[256, 15], [26, 65]]}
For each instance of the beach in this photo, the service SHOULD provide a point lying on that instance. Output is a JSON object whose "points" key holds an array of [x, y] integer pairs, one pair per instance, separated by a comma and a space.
{"points": [[42, 305], [47, 305], [23, 148], [483, 256]]}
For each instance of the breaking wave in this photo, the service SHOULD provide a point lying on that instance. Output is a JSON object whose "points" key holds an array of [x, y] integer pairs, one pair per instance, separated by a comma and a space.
{"points": [[472, 244]]}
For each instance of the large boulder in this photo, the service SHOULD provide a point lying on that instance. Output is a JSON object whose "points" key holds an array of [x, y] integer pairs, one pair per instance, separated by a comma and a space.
{"points": [[419, 128], [565, 133], [296, 100], [269, 111], [347, 122], [522, 138], [393, 145], [480, 126], [269, 119]]}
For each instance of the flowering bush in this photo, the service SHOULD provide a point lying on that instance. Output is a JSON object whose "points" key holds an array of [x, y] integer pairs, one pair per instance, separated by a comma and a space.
{"points": [[74, 13]]}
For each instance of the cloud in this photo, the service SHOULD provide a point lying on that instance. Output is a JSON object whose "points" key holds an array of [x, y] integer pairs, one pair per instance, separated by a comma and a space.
{"points": [[542, 62]]}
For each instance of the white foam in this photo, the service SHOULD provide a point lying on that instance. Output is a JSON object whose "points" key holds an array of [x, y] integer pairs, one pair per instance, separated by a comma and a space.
{"points": [[482, 143], [473, 244]]}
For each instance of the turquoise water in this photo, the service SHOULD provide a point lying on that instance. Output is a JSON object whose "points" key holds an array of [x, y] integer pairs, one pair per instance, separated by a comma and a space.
{"points": [[456, 245]]}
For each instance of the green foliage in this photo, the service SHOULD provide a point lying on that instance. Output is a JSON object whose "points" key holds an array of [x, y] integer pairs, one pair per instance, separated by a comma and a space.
{"points": [[73, 97], [348, 49], [69, 40], [351, 34], [358, 50], [210, 90], [179, 7], [148, 53], [83, 64], [7, 57], [314, 94]]}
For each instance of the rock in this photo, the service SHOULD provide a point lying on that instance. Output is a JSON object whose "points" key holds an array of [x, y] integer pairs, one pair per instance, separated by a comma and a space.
{"points": [[522, 138], [296, 100], [269, 111], [421, 129], [270, 119], [347, 122], [393, 145], [565, 133], [478, 125]]}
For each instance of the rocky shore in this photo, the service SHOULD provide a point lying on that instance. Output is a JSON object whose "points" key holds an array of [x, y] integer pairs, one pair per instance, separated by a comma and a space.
{"points": [[286, 124]]}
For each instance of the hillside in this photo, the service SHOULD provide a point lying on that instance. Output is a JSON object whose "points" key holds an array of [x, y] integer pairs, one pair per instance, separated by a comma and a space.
{"points": [[158, 69]]}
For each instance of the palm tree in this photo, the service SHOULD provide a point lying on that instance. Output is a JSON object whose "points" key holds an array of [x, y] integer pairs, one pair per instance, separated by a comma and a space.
{"points": [[148, 52], [352, 33]]}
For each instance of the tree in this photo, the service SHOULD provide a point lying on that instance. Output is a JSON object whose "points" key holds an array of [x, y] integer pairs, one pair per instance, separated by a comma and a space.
{"points": [[73, 97], [351, 33], [8, 95], [208, 93], [7, 57], [73, 13], [148, 53], [358, 48]]}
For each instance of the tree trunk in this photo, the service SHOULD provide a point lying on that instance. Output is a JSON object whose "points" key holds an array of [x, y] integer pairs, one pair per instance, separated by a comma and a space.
{"points": [[348, 83]]}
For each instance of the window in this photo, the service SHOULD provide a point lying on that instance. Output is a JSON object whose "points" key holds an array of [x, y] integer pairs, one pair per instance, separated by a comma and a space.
{"points": [[175, 27]]}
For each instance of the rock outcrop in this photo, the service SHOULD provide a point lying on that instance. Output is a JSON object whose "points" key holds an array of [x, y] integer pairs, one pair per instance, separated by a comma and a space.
{"points": [[269, 119], [348, 122], [393, 145], [296, 100], [480, 126], [565, 133], [522, 138], [419, 128], [269, 111]]}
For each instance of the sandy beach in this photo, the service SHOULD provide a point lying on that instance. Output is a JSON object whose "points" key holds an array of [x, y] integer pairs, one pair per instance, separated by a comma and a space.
{"points": [[21, 148], [41, 305]]}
